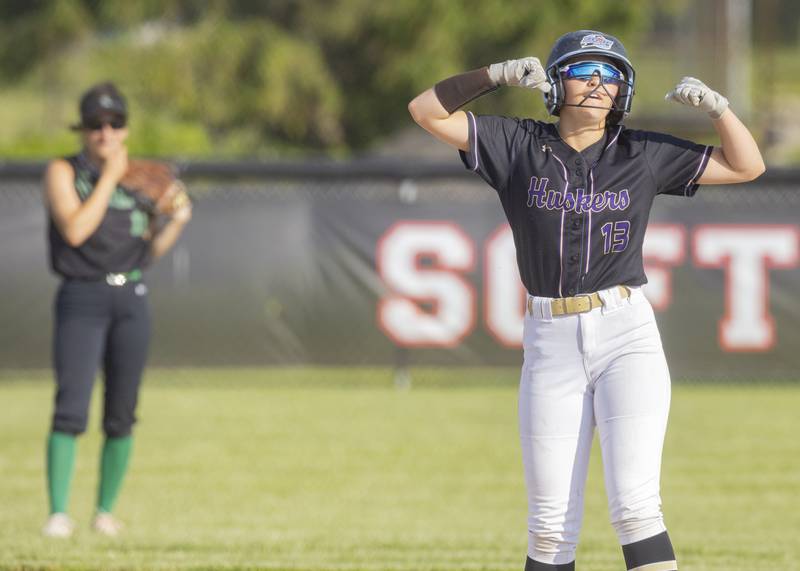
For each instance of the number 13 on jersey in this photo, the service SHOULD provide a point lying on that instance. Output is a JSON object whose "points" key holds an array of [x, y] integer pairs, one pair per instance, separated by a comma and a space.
{"points": [[615, 236]]}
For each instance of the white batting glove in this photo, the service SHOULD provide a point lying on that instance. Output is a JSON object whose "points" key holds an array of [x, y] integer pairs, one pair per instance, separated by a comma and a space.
{"points": [[695, 93], [526, 72]]}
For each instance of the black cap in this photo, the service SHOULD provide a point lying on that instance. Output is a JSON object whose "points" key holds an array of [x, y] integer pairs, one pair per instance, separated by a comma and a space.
{"points": [[103, 100]]}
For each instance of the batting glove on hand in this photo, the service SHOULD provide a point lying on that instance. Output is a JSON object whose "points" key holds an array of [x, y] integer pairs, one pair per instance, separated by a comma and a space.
{"points": [[526, 72], [695, 93]]}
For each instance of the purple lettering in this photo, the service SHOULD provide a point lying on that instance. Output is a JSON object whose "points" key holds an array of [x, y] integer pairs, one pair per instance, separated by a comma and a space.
{"points": [[582, 201], [624, 199], [617, 201], [537, 192], [615, 236], [555, 200], [578, 201], [598, 202], [569, 201]]}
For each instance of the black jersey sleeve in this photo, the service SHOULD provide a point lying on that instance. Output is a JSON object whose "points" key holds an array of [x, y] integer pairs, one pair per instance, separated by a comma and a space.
{"points": [[676, 164], [493, 144]]}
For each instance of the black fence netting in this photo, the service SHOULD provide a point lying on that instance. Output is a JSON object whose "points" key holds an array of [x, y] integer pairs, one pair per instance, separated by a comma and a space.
{"points": [[386, 263]]}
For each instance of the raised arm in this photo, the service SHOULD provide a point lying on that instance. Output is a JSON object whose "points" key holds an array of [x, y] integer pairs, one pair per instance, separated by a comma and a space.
{"points": [[737, 158], [77, 220], [428, 113], [436, 109]]}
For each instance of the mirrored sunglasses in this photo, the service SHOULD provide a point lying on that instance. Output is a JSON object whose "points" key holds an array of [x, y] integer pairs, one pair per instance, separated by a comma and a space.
{"points": [[97, 124], [584, 70]]}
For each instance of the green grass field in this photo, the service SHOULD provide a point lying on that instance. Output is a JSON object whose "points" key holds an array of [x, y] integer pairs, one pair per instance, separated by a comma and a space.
{"points": [[315, 469]]}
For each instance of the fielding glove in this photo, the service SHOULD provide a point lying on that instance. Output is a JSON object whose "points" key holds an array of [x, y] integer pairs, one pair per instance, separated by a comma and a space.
{"points": [[155, 186]]}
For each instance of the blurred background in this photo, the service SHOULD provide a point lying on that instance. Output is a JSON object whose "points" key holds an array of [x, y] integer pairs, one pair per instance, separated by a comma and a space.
{"points": [[335, 245], [239, 79], [318, 234]]}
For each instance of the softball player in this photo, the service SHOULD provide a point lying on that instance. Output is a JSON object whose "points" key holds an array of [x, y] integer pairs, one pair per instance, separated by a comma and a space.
{"points": [[100, 241], [577, 194]]}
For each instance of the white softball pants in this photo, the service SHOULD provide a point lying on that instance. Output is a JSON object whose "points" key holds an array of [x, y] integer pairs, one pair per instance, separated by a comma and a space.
{"points": [[603, 368]]}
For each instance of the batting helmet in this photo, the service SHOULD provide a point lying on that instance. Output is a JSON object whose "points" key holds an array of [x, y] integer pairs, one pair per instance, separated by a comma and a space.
{"points": [[589, 42]]}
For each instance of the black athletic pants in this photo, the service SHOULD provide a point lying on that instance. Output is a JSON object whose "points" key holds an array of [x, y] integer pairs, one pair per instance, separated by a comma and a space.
{"points": [[99, 323]]}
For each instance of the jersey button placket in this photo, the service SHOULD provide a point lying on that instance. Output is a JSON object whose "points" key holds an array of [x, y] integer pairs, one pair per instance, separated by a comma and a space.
{"points": [[572, 259], [576, 229]]}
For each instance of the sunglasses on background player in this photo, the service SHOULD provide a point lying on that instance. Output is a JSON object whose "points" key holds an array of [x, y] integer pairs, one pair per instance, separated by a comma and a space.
{"points": [[97, 124], [585, 70]]}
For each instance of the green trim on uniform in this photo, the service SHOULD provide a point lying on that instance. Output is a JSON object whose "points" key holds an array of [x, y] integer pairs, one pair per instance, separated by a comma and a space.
{"points": [[120, 199], [113, 465], [83, 185], [61, 449], [140, 221]]}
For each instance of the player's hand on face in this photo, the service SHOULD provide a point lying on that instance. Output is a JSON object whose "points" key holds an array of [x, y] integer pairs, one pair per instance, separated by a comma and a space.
{"points": [[694, 93], [116, 164], [526, 72]]}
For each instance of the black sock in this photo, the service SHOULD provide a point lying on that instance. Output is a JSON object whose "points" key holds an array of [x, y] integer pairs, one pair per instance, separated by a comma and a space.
{"points": [[656, 549], [531, 565]]}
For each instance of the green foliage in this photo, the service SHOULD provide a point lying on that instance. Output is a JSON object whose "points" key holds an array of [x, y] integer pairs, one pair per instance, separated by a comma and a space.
{"points": [[39, 32], [230, 79], [233, 77]]}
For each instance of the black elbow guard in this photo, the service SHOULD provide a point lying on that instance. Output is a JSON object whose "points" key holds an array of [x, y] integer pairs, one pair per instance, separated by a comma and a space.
{"points": [[456, 91]]}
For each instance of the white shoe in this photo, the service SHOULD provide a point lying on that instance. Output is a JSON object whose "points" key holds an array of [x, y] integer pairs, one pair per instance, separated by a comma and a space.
{"points": [[58, 525], [106, 524]]}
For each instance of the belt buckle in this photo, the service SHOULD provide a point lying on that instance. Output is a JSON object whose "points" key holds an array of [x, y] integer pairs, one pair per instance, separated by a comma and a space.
{"points": [[558, 306], [116, 280], [591, 302]]}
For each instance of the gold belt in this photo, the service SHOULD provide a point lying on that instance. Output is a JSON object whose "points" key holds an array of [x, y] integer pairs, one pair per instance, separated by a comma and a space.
{"points": [[579, 303]]}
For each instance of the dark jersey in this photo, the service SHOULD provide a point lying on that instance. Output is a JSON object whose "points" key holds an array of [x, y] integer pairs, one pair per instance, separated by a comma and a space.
{"points": [[116, 246], [578, 218]]}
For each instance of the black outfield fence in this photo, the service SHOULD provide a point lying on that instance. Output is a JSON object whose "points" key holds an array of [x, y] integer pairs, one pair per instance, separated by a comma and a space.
{"points": [[385, 262]]}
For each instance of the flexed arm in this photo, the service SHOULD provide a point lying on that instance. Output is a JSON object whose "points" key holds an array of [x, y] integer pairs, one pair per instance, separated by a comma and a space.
{"points": [[737, 158], [435, 109]]}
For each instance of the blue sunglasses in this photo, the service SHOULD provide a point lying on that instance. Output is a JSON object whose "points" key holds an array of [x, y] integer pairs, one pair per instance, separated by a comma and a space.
{"points": [[584, 70]]}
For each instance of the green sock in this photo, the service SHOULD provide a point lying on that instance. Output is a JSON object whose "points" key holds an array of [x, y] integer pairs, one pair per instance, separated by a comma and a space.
{"points": [[113, 465], [60, 464]]}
